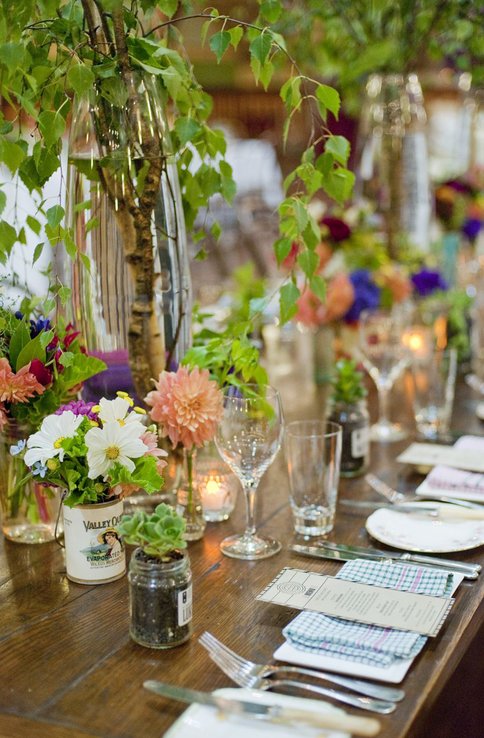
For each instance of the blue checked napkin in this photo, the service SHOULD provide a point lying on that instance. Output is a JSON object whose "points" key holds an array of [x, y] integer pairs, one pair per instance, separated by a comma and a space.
{"points": [[368, 644]]}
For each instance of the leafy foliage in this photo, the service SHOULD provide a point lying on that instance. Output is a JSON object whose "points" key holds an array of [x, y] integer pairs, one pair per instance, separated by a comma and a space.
{"points": [[51, 50], [348, 384], [157, 533], [350, 39]]}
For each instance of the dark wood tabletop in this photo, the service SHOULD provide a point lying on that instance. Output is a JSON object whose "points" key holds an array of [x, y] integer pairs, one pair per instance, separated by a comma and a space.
{"points": [[69, 669]]}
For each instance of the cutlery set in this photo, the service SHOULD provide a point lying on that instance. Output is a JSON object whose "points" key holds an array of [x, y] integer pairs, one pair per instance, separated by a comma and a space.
{"points": [[360, 693]]}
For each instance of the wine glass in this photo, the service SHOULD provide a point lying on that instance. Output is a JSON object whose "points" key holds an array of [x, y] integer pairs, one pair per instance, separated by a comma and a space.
{"points": [[248, 439], [385, 357]]}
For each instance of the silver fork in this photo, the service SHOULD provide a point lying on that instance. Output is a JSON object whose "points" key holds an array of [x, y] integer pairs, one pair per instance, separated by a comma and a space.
{"points": [[248, 674], [390, 494]]}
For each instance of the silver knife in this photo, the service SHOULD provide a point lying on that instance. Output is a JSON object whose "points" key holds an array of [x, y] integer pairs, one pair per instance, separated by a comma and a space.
{"points": [[337, 720], [442, 512], [340, 552]]}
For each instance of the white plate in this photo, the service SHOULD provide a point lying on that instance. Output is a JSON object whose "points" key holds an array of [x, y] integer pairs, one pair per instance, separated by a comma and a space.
{"points": [[422, 534], [200, 721]]}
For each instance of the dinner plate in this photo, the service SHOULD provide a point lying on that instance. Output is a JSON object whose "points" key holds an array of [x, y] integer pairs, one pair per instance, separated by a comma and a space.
{"points": [[422, 534], [200, 721]]}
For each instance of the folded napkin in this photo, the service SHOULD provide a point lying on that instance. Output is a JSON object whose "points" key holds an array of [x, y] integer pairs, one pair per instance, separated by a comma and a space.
{"points": [[368, 644]]}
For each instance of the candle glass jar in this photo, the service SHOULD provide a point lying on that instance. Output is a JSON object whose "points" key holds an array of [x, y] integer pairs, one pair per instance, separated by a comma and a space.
{"points": [[218, 488]]}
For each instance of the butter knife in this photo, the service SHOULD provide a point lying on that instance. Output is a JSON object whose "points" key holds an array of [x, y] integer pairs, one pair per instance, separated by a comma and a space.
{"points": [[341, 552], [274, 713], [441, 512]]}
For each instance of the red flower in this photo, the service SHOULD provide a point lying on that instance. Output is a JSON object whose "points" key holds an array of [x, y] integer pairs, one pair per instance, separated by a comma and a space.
{"points": [[44, 374]]}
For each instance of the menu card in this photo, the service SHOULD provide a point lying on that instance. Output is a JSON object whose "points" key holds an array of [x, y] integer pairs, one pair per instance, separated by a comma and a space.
{"points": [[363, 603]]}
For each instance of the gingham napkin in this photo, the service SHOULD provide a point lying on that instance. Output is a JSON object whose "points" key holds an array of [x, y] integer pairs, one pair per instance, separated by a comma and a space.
{"points": [[368, 644]]}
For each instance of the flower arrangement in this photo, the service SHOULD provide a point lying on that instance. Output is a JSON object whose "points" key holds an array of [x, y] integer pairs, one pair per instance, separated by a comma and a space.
{"points": [[459, 206], [158, 534], [41, 366], [95, 452], [187, 405]]}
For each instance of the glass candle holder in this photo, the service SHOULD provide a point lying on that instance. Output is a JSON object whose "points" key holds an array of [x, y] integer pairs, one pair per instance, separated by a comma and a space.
{"points": [[218, 488]]}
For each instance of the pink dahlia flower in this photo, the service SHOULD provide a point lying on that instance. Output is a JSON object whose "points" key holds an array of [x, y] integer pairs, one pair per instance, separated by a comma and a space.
{"points": [[188, 405], [18, 387]]}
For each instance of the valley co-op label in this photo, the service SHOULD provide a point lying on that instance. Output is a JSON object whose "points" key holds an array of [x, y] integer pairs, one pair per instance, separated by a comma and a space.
{"points": [[94, 549]]}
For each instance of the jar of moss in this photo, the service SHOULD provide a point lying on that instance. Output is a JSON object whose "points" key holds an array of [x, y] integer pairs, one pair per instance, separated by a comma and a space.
{"points": [[160, 580], [348, 408]]}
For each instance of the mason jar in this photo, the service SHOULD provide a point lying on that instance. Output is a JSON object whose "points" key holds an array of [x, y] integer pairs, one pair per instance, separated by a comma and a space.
{"points": [[355, 422], [160, 594]]}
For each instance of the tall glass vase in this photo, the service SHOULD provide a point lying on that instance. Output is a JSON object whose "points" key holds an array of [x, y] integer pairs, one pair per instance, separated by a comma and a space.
{"points": [[392, 163], [29, 509], [133, 302], [189, 501]]}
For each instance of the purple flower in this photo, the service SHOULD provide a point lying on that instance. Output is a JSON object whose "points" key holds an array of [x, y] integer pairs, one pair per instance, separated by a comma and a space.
{"points": [[39, 325], [471, 228], [367, 294], [338, 229], [78, 407], [427, 281]]}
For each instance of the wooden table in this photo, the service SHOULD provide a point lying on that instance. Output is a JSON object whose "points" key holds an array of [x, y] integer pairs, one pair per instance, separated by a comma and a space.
{"points": [[69, 669]]}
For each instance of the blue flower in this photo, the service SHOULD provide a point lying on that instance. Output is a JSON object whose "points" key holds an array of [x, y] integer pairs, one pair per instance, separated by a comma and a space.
{"points": [[367, 294], [39, 470], [39, 325], [18, 448], [427, 281]]}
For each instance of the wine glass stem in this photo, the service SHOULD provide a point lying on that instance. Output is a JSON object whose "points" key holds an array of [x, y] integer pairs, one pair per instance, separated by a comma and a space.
{"points": [[383, 402], [250, 488]]}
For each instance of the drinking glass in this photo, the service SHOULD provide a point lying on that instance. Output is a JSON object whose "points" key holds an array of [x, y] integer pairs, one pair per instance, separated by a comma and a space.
{"points": [[385, 357], [433, 374], [313, 455], [248, 439]]}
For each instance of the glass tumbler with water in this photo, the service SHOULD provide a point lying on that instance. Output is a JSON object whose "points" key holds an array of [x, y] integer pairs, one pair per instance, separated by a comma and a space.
{"points": [[313, 454]]}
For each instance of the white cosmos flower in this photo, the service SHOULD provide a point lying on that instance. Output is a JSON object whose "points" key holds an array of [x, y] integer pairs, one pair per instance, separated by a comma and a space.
{"points": [[111, 444], [46, 443], [118, 410]]}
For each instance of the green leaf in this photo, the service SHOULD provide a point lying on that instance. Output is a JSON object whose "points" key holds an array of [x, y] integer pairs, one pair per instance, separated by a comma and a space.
{"points": [[34, 224], [51, 125], [291, 92], [66, 358], [168, 7], [289, 294], [308, 261], [11, 154], [219, 43], [339, 147], [115, 91], [236, 34], [271, 10], [260, 47], [339, 184], [186, 129], [328, 99], [8, 236], [20, 338], [318, 286], [81, 79], [301, 214], [54, 215], [32, 350], [3, 201], [37, 252], [266, 73], [282, 248]]}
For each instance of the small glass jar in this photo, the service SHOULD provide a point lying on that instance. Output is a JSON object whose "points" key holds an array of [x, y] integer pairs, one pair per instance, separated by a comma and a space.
{"points": [[355, 421], [160, 594]]}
